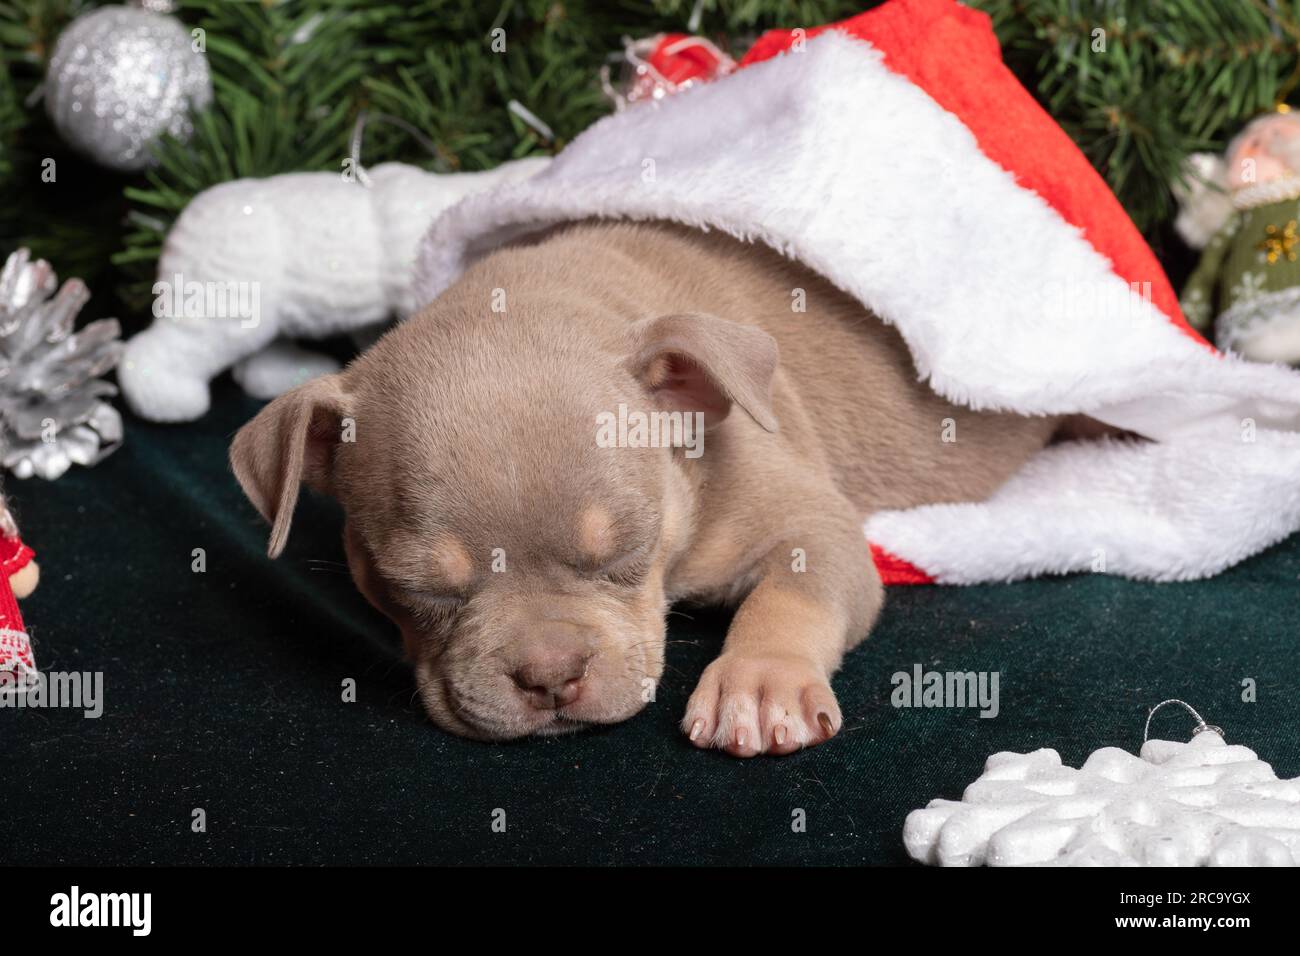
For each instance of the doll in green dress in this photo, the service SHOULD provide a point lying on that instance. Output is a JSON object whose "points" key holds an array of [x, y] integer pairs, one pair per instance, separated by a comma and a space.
{"points": [[1243, 211]]}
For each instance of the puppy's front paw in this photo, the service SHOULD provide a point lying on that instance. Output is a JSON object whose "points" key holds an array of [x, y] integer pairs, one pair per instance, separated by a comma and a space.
{"points": [[749, 704]]}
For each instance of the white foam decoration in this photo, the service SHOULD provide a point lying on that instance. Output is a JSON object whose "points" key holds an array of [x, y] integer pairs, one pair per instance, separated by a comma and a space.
{"points": [[1202, 803], [326, 255]]}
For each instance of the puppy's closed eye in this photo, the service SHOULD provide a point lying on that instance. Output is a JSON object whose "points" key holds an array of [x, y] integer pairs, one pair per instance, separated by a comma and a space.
{"points": [[429, 607], [613, 549], [627, 569]]}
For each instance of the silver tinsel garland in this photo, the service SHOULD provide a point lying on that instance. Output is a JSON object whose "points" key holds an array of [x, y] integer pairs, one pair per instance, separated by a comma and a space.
{"points": [[52, 409]]}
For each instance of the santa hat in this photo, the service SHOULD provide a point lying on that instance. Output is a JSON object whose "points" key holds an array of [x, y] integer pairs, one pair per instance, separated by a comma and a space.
{"points": [[896, 155]]}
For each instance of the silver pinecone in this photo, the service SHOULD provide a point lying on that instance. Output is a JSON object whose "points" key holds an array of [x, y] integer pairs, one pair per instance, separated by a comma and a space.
{"points": [[52, 409]]}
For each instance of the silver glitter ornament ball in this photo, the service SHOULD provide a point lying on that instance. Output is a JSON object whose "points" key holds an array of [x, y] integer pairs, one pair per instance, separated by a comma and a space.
{"points": [[119, 78]]}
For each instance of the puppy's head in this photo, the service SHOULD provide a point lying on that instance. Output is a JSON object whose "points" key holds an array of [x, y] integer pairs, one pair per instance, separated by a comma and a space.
{"points": [[523, 559]]}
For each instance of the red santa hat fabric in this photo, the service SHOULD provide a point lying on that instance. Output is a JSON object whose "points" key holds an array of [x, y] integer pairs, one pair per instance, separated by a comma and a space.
{"points": [[896, 155]]}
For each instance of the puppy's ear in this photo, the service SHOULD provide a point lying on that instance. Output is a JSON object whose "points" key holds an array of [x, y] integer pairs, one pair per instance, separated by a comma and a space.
{"points": [[291, 441], [701, 363]]}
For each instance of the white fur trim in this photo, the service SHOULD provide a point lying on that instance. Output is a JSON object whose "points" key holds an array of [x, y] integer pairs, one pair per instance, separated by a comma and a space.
{"points": [[833, 159], [1265, 194], [1162, 511]]}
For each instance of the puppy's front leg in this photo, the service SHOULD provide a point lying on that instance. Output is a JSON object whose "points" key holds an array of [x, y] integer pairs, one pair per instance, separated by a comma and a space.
{"points": [[816, 595]]}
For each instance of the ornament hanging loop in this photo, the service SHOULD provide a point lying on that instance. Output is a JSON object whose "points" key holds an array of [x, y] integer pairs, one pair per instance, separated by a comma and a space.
{"points": [[358, 134], [1201, 725]]}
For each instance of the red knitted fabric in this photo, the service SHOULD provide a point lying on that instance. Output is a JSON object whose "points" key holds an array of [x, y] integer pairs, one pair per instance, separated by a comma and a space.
{"points": [[15, 648]]}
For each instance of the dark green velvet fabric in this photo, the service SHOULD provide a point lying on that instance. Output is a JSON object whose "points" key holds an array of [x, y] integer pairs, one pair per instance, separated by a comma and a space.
{"points": [[223, 691]]}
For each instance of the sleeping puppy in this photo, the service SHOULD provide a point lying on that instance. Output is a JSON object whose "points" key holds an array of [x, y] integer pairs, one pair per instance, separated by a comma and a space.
{"points": [[505, 510]]}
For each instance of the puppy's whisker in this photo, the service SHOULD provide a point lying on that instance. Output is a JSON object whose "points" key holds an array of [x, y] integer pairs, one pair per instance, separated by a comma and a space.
{"points": [[632, 647]]}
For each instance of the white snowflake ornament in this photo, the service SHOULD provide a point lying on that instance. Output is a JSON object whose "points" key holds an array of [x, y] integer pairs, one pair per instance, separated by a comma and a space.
{"points": [[1201, 803]]}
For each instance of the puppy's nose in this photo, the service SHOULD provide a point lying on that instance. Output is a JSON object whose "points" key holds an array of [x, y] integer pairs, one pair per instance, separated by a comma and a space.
{"points": [[550, 681]]}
